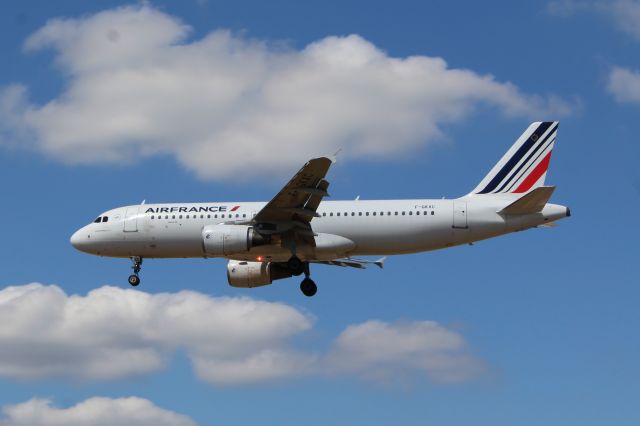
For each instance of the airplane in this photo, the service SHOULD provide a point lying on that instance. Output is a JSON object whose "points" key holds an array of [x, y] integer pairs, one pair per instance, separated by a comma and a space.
{"points": [[268, 241]]}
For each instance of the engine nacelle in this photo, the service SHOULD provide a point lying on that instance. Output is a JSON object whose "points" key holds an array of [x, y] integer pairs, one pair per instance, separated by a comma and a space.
{"points": [[224, 240], [246, 274]]}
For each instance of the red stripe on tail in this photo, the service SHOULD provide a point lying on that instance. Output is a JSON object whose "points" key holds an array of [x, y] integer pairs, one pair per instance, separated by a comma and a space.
{"points": [[533, 177]]}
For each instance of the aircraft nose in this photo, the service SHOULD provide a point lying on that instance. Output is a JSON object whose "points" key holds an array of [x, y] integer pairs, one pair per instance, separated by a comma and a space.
{"points": [[79, 240]]}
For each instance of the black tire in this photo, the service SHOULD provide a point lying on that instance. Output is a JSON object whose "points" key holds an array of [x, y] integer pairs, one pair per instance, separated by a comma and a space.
{"points": [[308, 287], [134, 280], [295, 265]]}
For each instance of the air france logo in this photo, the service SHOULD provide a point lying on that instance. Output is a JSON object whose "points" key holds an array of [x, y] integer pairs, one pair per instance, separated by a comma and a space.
{"points": [[199, 209]]}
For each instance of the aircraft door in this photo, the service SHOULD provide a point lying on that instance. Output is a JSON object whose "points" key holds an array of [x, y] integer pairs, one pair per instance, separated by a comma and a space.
{"points": [[131, 219], [460, 214]]}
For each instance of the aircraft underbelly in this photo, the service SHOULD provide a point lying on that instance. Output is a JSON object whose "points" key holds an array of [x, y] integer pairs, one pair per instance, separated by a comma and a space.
{"points": [[391, 238]]}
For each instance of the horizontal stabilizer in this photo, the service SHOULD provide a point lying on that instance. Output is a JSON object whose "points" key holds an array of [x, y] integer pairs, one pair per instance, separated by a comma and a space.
{"points": [[532, 202]]}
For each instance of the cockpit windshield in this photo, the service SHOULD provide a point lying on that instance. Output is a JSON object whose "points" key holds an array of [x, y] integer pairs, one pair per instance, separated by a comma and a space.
{"points": [[101, 219]]}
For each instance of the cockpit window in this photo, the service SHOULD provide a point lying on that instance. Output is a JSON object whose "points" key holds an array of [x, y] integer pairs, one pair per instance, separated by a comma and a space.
{"points": [[105, 219], [97, 220]]}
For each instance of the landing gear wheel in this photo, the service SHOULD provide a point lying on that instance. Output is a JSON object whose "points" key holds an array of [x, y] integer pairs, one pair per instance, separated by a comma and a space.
{"points": [[308, 287], [295, 265], [134, 280]]}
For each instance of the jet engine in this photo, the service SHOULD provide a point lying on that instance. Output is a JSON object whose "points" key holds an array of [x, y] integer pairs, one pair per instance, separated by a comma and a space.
{"points": [[224, 240], [254, 274]]}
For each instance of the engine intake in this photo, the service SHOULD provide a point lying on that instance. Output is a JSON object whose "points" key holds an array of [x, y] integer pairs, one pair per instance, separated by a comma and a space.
{"points": [[254, 274], [224, 240]]}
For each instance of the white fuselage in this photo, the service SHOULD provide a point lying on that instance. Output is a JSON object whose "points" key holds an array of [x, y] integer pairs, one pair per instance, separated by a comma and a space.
{"points": [[375, 227]]}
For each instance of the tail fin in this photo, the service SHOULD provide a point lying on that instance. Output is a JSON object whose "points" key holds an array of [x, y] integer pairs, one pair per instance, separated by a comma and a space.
{"points": [[525, 164]]}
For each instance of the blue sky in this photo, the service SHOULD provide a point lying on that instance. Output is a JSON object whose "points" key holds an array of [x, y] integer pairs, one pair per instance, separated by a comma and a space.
{"points": [[533, 328]]}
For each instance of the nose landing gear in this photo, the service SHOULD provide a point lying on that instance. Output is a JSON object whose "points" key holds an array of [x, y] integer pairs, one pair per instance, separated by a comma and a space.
{"points": [[134, 279]]}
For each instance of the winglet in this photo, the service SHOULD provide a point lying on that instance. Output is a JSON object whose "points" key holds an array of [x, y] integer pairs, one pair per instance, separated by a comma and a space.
{"points": [[334, 157]]}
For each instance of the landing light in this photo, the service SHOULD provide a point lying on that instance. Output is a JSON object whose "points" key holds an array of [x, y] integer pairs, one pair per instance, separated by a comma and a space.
{"points": [[259, 258]]}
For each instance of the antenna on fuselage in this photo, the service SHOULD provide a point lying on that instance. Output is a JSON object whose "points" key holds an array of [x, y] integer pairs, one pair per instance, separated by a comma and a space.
{"points": [[143, 201]]}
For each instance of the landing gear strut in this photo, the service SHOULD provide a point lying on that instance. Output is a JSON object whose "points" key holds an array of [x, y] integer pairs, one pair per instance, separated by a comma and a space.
{"points": [[296, 266], [307, 286], [134, 279]]}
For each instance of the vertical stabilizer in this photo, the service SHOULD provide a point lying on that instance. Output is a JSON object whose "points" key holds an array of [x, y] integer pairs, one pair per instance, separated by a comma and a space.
{"points": [[524, 166]]}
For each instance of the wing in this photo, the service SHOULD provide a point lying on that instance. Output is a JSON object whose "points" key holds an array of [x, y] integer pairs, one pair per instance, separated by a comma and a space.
{"points": [[292, 209]]}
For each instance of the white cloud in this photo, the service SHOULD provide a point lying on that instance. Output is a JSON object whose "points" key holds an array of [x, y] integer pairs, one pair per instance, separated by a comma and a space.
{"points": [[92, 412], [625, 14], [112, 333], [624, 84], [396, 352], [569, 7], [137, 86]]}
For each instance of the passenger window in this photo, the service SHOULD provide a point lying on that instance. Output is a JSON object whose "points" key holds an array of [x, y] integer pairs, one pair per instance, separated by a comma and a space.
{"points": [[410, 213], [208, 216], [152, 216], [244, 215], [396, 213], [331, 214], [222, 216], [173, 217], [432, 212], [402, 213], [338, 214], [381, 213], [237, 215], [166, 216], [215, 216], [374, 213], [353, 214], [367, 213], [201, 216], [324, 213], [359, 213], [388, 213], [180, 217]]}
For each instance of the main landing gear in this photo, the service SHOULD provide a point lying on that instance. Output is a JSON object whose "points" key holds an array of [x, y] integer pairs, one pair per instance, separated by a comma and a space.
{"points": [[134, 279], [298, 267], [308, 287]]}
